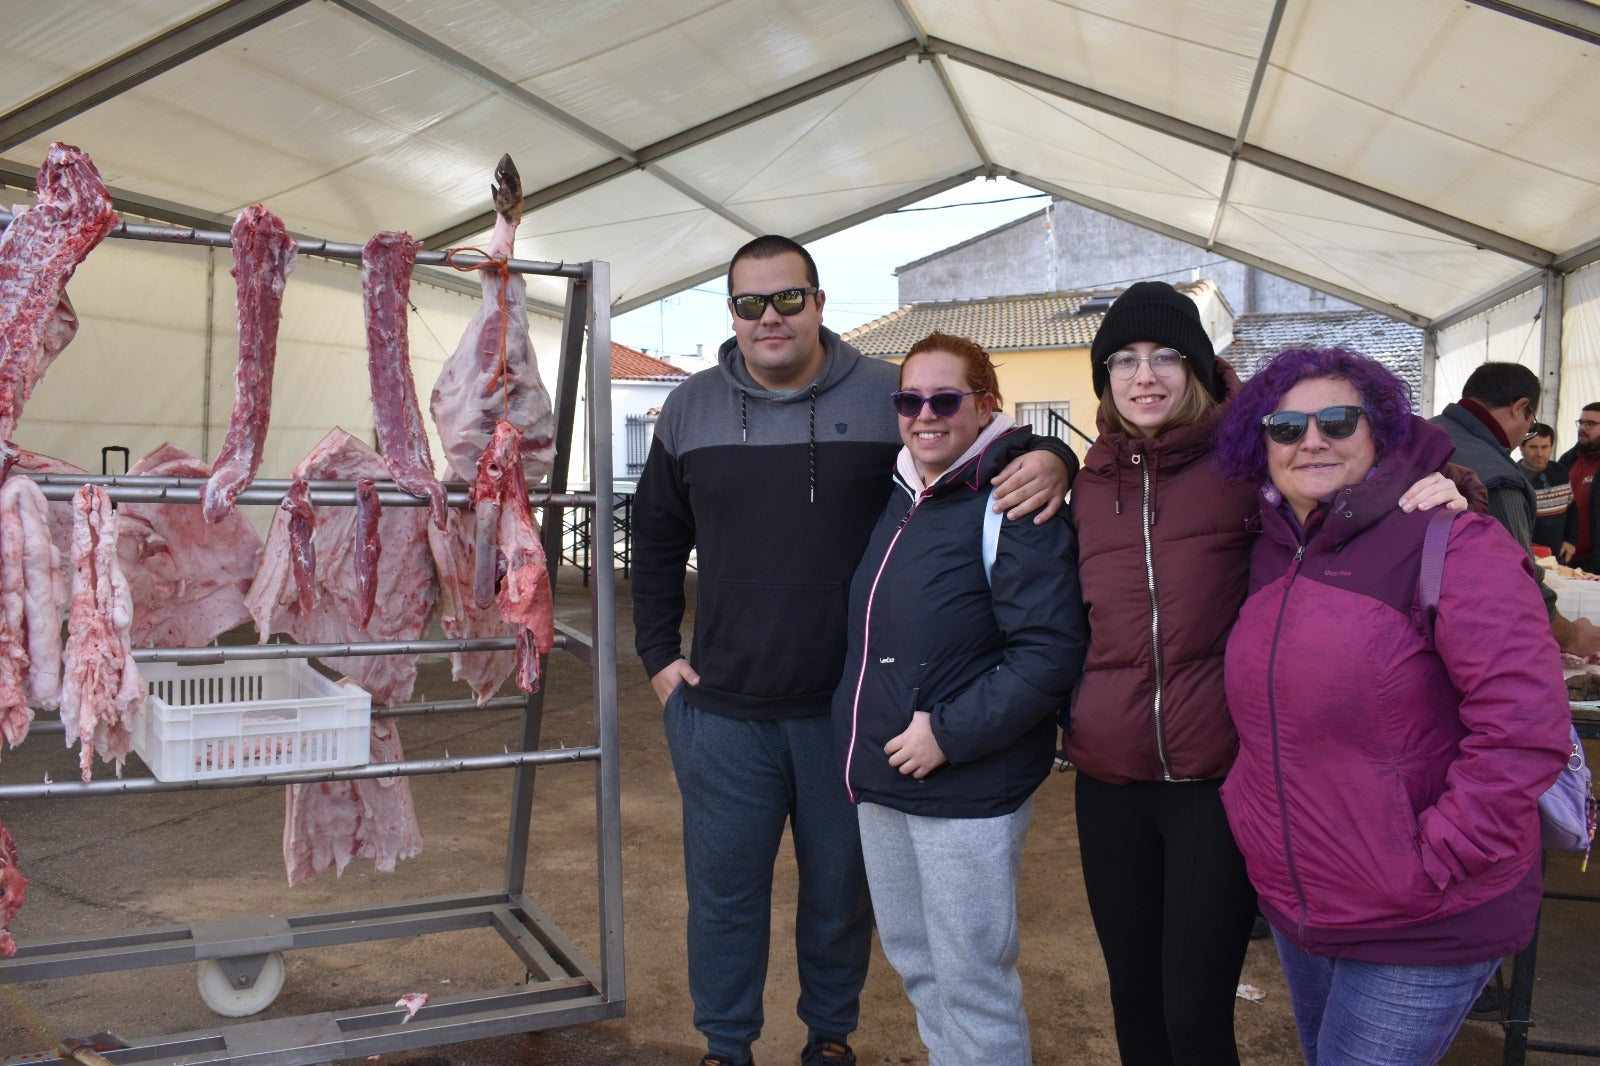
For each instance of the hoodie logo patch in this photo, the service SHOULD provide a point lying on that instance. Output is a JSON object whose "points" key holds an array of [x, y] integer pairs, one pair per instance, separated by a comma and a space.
{"points": [[842, 427]]}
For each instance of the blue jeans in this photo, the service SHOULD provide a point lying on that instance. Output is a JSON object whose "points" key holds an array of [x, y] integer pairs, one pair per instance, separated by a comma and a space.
{"points": [[1377, 1014], [741, 782]]}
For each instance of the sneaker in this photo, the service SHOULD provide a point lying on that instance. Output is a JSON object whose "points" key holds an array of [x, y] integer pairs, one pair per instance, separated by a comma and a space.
{"points": [[827, 1053], [1486, 1008]]}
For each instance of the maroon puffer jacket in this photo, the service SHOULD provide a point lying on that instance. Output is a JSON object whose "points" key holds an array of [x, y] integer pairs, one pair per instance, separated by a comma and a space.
{"points": [[1164, 554]]}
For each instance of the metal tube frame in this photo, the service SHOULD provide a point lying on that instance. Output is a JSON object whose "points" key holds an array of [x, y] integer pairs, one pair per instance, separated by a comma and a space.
{"points": [[563, 987]]}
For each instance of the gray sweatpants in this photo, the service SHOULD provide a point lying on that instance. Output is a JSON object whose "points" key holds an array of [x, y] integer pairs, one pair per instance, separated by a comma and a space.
{"points": [[944, 891]]}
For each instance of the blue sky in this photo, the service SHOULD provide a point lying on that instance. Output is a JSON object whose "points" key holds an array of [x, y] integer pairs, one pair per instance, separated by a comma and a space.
{"points": [[857, 267]]}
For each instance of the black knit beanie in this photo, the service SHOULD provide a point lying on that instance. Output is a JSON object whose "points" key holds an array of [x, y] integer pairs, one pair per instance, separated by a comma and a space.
{"points": [[1153, 311]]}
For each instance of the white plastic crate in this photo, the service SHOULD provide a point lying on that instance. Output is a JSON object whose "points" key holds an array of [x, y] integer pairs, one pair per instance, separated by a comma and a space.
{"points": [[237, 718]]}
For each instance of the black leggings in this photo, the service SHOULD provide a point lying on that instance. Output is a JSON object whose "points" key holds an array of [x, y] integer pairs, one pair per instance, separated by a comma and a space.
{"points": [[1173, 909]]}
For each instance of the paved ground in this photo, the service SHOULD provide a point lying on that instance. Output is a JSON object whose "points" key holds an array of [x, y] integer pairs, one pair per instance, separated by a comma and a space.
{"points": [[126, 863]]}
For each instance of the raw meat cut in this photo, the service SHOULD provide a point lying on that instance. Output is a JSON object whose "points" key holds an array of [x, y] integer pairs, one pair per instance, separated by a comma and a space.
{"points": [[368, 547], [33, 597], [460, 616], [101, 689], [501, 496], [302, 547], [386, 264], [188, 575], [493, 375], [407, 586], [263, 255], [13, 890], [60, 510], [412, 1002], [330, 823], [38, 253]]}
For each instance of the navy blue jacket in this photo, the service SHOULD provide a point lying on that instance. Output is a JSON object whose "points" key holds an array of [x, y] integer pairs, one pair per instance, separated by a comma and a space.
{"points": [[992, 659]]}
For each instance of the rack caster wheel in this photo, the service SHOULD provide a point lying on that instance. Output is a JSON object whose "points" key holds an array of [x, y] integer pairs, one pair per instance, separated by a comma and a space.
{"points": [[239, 987]]}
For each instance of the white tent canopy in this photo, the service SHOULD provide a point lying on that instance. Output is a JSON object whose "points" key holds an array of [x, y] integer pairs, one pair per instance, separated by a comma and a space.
{"points": [[1430, 159]]}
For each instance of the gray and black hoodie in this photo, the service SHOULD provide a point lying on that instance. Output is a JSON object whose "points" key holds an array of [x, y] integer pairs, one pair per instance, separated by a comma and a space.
{"points": [[777, 494]]}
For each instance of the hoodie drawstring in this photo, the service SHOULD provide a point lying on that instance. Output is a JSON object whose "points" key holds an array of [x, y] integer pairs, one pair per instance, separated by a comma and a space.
{"points": [[744, 417], [811, 443]]}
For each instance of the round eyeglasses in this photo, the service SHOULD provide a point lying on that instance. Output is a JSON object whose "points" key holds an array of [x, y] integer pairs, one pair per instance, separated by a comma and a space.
{"points": [[1164, 362]]}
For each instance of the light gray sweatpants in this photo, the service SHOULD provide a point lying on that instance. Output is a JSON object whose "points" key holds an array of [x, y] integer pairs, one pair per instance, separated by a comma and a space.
{"points": [[944, 891]]}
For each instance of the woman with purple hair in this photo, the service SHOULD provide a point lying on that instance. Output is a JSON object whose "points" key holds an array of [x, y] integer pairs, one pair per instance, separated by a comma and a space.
{"points": [[1386, 785]]}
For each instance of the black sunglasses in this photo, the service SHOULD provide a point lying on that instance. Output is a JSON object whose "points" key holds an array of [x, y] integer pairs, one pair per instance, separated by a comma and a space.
{"points": [[942, 404], [1335, 423], [751, 305]]}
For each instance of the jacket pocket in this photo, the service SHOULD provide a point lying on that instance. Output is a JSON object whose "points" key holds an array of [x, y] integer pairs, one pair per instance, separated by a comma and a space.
{"points": [[771, 639]]}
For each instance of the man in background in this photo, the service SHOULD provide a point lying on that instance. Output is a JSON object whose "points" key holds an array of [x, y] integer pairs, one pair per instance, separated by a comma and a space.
{"points": [[1555, 521], [1582, 460]]}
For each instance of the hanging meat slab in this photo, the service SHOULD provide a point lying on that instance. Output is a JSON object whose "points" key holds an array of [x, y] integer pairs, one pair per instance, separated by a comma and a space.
{"points": [[386, 264], [460, 616], [263, 255], [188, 575], [38, 253], [509, 549], [329, 823], [101, 690], [407, 588], [13, 890], [33, 598], [493, 375]]}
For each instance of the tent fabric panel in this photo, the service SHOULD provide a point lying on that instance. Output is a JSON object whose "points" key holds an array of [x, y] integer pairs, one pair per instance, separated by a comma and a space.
{"points": [[1404, 97], [641, 72], [1361, 248], [646, 229], [1194, 59], [835, 154], [1508, 332], [1580, 354], [55, 43], [1092, 153]]}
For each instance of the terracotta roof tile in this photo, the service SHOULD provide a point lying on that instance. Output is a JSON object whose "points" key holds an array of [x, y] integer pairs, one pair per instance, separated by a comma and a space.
{"points": [[630, 364]]}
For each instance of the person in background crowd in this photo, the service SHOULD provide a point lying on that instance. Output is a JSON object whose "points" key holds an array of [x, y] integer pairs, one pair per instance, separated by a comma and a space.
{"points": [[772, 467], [1496, 413], [1555, 521], [1581, 462], [1352, 717], [1164, 547], [966, 636]]}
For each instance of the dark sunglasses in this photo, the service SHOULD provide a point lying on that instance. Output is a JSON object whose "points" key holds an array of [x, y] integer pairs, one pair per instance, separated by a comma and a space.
{"points": [[751, 305], [1335, 423], [942, 404]]}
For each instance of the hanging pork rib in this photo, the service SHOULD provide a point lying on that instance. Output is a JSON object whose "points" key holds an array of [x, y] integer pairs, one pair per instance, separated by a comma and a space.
{"points": [[509, 555], [493, 374], [386, 264], [101, 689], [38, 253], [263, 255]]}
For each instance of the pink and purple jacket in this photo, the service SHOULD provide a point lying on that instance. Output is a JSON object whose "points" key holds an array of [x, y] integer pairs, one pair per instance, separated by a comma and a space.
{"points": [[1385, 791]]}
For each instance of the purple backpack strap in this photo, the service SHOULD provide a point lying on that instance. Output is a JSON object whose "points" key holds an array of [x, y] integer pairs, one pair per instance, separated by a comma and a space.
{"points": [[1434, 542]]}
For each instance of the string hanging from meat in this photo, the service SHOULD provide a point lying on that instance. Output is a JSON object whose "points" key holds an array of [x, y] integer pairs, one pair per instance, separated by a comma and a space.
{"points": [[263, 255], [101, 689], [509, 550], [386, 264], [493, 375], [38, 253]]}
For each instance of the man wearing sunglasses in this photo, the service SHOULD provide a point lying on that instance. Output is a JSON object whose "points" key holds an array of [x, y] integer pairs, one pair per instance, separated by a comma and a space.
{"points": [[1498, 408], [773, 468]]}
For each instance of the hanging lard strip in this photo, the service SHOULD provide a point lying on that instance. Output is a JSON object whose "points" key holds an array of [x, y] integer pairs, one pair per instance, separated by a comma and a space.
{"points": [[493, 375], [386, 264], [369, 547], [330, 823], [38, 253], [407, 587], [13, 890], [459, 614], [101, 689], [33, 597], [509, 549], [188, 575], [263, 255]]}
